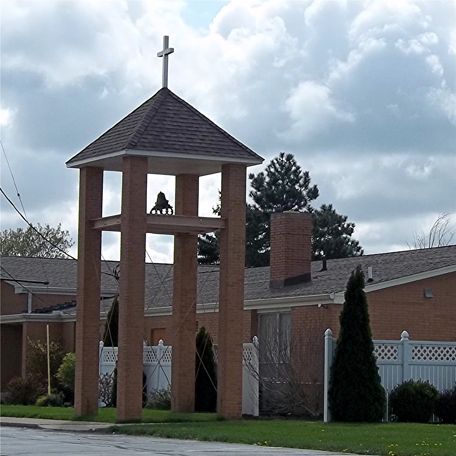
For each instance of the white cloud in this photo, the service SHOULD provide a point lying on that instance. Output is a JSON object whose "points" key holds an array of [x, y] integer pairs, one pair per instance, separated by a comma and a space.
{"points": [[363, 93], [444, 100], [311, 108], [6, 117]]}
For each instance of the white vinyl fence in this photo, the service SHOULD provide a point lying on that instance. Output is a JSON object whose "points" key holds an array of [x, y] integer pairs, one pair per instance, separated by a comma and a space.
{"points": [[157, 369], [402, 360]]}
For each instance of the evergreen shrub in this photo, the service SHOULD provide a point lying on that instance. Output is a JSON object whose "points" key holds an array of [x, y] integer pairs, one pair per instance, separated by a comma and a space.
{"points": [[445, 407], [111, 332], [355, 393], [205, 373], [413, 401]]}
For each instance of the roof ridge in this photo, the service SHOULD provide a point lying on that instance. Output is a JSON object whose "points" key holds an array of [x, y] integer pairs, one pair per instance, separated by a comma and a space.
{"points": [[213, 124], [146, 120], [425, 249]]}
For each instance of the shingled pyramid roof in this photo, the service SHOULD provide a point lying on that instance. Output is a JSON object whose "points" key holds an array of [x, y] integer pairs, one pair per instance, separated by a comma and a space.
{"points": [[172, 134]]}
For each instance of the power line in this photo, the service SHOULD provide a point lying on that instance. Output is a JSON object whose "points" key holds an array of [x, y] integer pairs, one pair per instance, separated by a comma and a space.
{"points": [[12, 177], [34, 229], [44, 237], [162, 280], [11, 277]]}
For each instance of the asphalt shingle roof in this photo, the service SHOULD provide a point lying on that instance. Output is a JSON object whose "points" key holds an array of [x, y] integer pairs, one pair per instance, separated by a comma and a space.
{"points": [[159, 277], [167, 124]]}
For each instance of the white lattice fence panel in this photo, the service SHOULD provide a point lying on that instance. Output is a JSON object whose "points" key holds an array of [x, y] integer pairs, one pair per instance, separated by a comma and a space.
{"points": [[434, 353], [109, 355], [249, 353], [167, 355], [386, 352], [157, 368], [150, 355]]}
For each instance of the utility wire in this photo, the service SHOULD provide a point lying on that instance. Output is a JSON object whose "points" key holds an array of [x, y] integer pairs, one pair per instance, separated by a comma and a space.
{"points": [[42, 235], [11, 277], [12, 177], [34, 229], [72, 257]]}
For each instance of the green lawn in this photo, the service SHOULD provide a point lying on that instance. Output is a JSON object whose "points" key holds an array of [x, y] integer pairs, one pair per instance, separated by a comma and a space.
{"points": [[379, 439], [394, 439], [104, 414]]}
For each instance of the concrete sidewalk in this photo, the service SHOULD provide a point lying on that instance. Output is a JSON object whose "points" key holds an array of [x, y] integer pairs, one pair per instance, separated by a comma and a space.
{"points": [[55, 425]]}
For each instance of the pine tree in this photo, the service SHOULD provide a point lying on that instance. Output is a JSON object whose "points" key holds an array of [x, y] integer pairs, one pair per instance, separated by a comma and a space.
{"points": [[208, 249], [332, 235], [205, 374], [283, 186], [355, 393], [111, 332]]}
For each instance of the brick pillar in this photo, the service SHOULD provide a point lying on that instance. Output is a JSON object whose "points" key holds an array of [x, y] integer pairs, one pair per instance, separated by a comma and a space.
{"points": [[131, 299], [184, 300], [231, 302], [88, 295]]}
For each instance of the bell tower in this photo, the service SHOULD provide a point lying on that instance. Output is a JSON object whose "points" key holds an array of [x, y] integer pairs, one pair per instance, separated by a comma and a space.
{"points": [[164, 135]]}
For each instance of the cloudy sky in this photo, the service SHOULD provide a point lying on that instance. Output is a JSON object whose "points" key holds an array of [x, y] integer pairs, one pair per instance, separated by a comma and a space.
{"points": [[363, 93]]}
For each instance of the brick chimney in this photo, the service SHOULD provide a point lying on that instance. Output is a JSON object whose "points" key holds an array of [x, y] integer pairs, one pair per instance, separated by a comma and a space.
{"points": [[291, 248]]}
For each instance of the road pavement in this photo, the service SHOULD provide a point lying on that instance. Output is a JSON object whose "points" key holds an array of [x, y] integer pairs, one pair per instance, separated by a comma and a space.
{"points": [[19, 441]]}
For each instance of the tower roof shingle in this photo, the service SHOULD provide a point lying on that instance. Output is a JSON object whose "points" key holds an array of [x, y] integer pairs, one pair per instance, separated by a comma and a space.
{"points": [[174, 136]]}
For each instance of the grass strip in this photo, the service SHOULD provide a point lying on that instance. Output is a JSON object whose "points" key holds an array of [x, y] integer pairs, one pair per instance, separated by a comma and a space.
{"points": [[392, 439], [106, 415]]}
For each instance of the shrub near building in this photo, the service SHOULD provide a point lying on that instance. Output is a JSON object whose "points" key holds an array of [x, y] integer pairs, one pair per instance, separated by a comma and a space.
{"points": [[445, 407], [355, 393], [413, 401]]}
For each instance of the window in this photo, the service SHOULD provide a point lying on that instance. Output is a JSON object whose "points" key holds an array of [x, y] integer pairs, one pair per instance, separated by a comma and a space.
{"points": [[274, 333]]}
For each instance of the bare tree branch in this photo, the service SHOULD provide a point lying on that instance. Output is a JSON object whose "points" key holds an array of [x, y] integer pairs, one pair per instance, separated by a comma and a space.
{"points": [[441, 233]]}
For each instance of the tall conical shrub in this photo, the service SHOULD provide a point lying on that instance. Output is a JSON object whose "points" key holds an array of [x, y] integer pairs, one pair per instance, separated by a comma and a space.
{"points": [[205, 373], [355, 393], [111, 332]]}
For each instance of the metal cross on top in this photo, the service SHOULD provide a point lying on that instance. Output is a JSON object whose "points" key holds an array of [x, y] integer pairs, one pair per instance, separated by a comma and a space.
{"points": [[164, 53]]}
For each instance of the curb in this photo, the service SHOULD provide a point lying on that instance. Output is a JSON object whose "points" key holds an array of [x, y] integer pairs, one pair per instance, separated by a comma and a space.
{"points": [[62, 427]]}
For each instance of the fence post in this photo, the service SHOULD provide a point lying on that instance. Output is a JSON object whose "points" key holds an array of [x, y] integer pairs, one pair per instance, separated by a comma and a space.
{"points": [[160, 349], [100, 360], [256, 378], [100, 353], [406, 356], [327, 372]]}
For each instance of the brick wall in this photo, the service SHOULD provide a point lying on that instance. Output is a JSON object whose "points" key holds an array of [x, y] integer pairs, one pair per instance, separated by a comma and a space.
{"points": [[11, 342], [308, 325], [209, 320], [404, 307], [391, 311], [13, 304], [10, 302]]}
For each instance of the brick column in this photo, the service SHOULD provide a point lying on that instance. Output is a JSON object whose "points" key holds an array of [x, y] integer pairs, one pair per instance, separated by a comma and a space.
{"points": [[131, 299], [231, 302], [88, 295], [184, 300]]}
